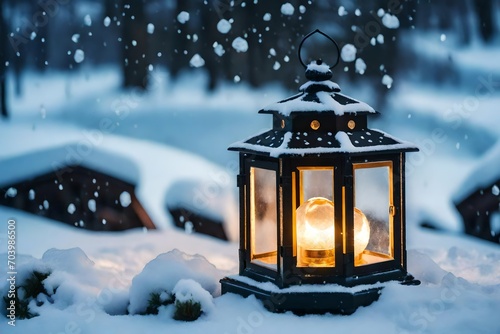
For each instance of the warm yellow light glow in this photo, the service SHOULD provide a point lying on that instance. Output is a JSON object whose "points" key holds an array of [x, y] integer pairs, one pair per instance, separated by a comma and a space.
{"points": [[316, 232], [361, 232]]}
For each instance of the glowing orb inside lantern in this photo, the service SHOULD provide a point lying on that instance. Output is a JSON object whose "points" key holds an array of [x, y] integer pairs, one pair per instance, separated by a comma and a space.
{"points": [[316, 232]]}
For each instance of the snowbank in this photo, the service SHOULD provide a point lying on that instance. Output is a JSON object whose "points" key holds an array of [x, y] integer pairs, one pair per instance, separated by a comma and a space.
{"points": [[163, 274]]}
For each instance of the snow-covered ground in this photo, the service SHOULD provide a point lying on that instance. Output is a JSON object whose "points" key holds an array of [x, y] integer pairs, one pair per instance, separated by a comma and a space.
{"points": [[459, 293], [102, 276]]}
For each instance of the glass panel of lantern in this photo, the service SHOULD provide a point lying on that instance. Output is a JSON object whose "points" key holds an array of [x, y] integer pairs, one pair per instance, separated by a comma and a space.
{"points": [[315, 223], [373, 213], [263, 217]]}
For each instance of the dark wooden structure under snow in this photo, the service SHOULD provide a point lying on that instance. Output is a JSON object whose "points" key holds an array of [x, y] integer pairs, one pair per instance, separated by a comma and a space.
{"points": [[481, 212], [478, 198]]}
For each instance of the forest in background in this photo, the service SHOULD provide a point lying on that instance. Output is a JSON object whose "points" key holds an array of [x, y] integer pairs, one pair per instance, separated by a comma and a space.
{"points": [[137, 35]]}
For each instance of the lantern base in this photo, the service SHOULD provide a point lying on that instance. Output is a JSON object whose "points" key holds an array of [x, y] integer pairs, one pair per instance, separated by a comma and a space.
{"points": [[304, 299]]}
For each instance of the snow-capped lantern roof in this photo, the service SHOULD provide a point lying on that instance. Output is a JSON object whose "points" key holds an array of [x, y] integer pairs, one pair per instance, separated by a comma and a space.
{"points": [[320, 120], [319, 94]]}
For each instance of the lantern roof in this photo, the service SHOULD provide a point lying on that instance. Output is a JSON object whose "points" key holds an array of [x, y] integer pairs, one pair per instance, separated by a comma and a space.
{"points": [[320, 121], [277, 143], [319, 94]]}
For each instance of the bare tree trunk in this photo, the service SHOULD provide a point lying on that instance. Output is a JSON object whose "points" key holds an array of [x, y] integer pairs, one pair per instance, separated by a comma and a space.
{"points": [[463, 9], [484, 12], [40, 43], [179, 41], [253, 55], [135, 63], [208, 31], [109, 8], [3, 58]]}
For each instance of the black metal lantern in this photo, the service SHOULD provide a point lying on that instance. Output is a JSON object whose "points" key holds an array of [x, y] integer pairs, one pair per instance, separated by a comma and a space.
{"points": [[322, 203]]}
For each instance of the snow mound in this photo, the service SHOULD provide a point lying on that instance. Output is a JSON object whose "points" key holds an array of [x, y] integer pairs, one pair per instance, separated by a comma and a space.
{"points": [[25, 266], [165, 271], [422, 266], [188, 289], [73, 280], [72, 260]]}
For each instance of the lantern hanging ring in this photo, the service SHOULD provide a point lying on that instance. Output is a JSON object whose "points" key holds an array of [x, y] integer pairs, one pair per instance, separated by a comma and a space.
{"points": [[329, 38]]}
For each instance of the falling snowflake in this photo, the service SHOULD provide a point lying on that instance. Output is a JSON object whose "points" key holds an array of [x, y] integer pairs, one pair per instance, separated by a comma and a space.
{"points": [[360, 66], [125, 199], [387, 81], [495, 190], [71, 209], [390, 21], [79, 56], [348, 53], [240, 44], [183, 17], [87, 20], [287, 9], [218, 49], [11, 192], [151, 28], [197, 61], [342, 11], [92, 205], [223, 26]]}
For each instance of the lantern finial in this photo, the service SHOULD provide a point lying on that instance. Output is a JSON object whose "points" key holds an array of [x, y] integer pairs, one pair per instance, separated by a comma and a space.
{"points": [[318, 71]]}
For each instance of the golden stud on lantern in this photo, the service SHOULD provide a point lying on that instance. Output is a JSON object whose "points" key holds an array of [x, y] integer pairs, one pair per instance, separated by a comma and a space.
{"points": [[315, 125]]}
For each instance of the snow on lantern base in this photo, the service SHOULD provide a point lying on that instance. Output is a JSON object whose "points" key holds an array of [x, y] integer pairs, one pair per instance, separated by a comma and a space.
{"points": [[309, 298], [303, 302]]}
